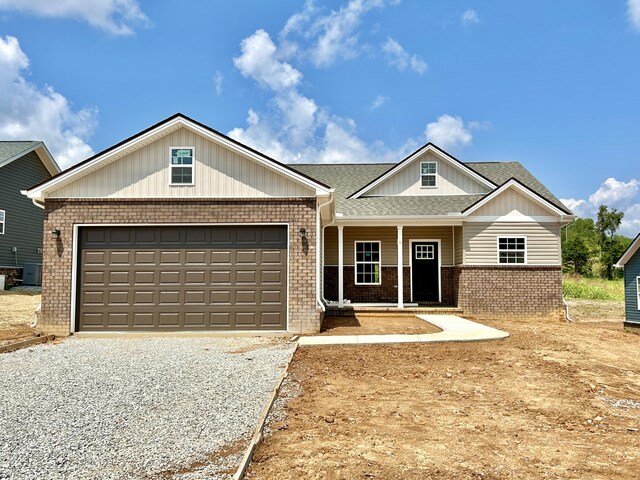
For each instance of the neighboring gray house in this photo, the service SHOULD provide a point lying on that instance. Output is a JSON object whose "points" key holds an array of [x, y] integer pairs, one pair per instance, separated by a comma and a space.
{"points": [[21, 165], [630, 261]]}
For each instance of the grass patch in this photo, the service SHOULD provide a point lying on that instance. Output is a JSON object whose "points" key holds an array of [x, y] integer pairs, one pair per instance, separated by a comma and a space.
{"points": [[592, 288]]}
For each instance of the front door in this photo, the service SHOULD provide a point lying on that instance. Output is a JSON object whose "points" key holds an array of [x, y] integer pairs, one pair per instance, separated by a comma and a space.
{"points": [[424, 272]]}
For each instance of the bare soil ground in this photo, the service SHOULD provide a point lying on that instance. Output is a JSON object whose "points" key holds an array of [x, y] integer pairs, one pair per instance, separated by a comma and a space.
{"points": [[363, 325], [17, 310], [554, 400]]}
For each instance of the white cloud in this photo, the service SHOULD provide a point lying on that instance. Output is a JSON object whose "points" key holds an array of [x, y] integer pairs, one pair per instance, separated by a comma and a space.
{"points": [[218, 79], [613, 192], [258, 61], [378, 102], [623, 196], [401, 59], [469, 17], [118, 17], [633, 10], [31, 113], [448, 132]]}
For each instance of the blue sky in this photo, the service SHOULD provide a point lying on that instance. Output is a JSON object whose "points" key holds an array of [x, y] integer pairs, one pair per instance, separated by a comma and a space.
{"points": [[552, 84]]}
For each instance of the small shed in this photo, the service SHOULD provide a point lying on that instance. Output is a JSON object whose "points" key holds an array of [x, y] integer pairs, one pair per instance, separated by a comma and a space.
{"points": [[630, 261]]}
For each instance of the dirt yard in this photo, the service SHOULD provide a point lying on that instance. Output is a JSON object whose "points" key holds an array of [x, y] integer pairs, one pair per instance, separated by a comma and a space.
{"points": [[555, 400], [376, 326], [17, 310]]}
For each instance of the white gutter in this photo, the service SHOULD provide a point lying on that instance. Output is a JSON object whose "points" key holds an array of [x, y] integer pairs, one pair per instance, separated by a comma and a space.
{"points": [[34, 200], [319, 289]]}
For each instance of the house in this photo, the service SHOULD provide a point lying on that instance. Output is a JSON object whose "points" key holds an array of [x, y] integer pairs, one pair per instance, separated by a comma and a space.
{"points": [[22, 164], [630, 261], [183, 228]]}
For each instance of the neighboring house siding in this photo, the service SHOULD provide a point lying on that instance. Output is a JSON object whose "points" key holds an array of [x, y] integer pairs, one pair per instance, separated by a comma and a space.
{"points": [[23, 227], [451, 181], [388, 237], [219, 173], [543, 241], [511, 202], [631, 272], [458, 233]]}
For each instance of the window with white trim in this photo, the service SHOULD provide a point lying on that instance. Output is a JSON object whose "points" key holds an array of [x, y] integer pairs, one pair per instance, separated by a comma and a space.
{"points": [[512, 249], [428, 174], [638, 291], [2, 219], [181, 166], [368, 263]]}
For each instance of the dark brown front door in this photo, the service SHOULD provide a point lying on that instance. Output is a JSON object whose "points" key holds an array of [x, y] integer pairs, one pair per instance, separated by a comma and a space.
{"points": [[424, 272], [182, 278]]}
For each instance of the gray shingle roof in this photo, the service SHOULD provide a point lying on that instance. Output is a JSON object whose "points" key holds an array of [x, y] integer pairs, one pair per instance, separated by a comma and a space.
{"points": [[348, 178], [9, 149]]}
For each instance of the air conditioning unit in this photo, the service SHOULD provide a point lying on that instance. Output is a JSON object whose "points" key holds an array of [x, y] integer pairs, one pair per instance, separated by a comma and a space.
{"points": [[32, 274]]}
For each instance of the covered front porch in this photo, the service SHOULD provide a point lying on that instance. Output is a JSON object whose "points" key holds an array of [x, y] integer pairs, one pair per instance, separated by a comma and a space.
{"points": [[377, 267]]}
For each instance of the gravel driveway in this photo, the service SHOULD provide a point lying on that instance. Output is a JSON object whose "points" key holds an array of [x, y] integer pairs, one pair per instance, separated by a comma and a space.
{"points": [[133, 408]]}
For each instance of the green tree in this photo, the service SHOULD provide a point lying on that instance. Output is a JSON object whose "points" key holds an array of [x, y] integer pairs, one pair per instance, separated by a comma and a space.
{"points": [[576, 255], [607, 225]]}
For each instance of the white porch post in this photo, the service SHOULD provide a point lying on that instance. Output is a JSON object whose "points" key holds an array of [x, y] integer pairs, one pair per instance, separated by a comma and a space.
{"points": [[400, 270], [340, 266]]}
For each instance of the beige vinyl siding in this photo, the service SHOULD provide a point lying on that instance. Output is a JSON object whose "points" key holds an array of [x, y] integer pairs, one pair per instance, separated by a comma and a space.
{"points": [[450, 180], [219, 172], [543, 241], [458, 233], [388, 237], [511, 202]]}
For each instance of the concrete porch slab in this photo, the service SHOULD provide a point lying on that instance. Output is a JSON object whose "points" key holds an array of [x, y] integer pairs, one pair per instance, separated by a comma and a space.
{"points": [[454, 329]]}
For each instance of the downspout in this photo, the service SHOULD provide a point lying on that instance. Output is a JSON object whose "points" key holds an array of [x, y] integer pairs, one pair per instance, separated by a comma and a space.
{"points": [[566, 310], [319, 290]]}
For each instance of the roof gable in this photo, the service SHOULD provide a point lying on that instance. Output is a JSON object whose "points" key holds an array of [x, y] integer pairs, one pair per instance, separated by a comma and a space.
{"points": [[488, 204], [437, 153], [11, 151], [629, 252], [159, 131]]}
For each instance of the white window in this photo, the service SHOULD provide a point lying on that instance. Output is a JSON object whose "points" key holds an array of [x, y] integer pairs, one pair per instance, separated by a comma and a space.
{"points": [[2, 220], [425, 252], [428, 174], [368, 263], [512, 250], [638, 291], [181, 165]]}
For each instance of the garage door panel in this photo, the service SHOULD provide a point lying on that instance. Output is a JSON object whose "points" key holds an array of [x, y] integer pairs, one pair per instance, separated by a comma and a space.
{"points": [[176, 278]]}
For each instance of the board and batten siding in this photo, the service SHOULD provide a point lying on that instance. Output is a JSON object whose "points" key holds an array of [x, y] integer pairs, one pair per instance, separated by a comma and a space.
{"points": [[481, 248], [511, 202], [450, 181], [631, 272], [387, 236], [219, 172]]}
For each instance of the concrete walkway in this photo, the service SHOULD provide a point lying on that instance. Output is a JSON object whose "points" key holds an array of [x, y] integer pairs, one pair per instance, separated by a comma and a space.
{"points": [[454, 329]]}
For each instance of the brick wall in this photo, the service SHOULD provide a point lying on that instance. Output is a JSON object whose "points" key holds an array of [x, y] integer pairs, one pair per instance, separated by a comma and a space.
{"points": [[387, 291], [499, 291], [304, 316]]}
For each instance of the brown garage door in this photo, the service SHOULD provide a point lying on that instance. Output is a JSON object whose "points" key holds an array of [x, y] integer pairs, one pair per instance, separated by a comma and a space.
{"points": [[182, 278]]}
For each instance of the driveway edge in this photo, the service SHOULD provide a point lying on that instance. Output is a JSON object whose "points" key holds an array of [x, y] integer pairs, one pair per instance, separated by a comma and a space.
{"points": [[258, 434], [26, 343]]}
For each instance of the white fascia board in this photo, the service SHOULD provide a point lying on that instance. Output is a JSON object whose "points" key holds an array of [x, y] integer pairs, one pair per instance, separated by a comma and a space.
{"points": [[513, 218], [406, 220], [43, 154], [408, 161], [41, 191], [529, 194], [626, 256]]}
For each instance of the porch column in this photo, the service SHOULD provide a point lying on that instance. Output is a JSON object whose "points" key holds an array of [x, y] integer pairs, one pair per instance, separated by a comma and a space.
{"points": [[340, 266], [400, 270]]}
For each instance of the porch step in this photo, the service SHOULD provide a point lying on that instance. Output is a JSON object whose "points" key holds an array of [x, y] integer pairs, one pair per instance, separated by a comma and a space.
{"points": [[351, 310]]}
